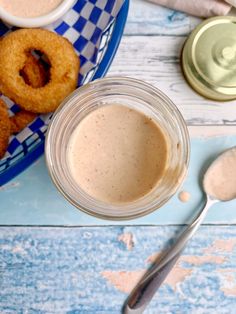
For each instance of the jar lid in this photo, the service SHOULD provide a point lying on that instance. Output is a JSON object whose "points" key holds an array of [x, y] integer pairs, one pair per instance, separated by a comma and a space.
{"points": [[209, 58]]}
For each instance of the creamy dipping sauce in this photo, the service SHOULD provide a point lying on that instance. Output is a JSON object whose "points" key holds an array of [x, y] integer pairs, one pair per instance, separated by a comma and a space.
{"points": [[117, 154], [220, 179], [29, 8]]}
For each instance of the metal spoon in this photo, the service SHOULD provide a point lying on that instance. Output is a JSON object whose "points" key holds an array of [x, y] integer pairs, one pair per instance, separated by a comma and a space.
{"points": [[152, 280]]}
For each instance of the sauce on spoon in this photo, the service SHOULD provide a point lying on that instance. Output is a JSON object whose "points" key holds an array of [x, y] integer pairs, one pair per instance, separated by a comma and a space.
{"points": [[220, 179]]}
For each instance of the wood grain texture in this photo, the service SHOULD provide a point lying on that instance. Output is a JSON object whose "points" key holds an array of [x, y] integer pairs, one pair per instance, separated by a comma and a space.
{"points": [[156, 59], [146, 18], [32, 199], [72, 270], [150, 50]]}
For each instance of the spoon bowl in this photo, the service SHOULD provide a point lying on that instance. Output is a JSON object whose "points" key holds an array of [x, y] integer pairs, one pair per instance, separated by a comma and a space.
{"points": [[220, 178]]}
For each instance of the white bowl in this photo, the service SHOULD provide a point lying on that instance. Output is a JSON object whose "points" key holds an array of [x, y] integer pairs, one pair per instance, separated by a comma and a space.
{"points": [[37, 21]]}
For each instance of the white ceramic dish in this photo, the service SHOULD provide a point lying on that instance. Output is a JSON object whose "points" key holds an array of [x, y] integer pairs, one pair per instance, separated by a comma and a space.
{"points": [[38, 21]]}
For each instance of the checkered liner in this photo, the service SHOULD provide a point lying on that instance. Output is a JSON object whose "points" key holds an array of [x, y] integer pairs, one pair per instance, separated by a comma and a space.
{"points": [[88, 26]]}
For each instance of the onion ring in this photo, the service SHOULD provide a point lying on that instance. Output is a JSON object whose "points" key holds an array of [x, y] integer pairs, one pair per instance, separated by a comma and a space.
{"points": [[5, 128], [34, 73], [20, 120], [64, 69]]}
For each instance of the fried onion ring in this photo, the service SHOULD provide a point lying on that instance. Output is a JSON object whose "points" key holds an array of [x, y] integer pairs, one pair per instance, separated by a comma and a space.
{"points": [[5, 128], [34, 73], [20, 120], [64, 69]]}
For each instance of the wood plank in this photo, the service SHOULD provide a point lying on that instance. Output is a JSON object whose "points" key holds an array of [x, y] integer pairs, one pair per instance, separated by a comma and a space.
{"points": [[156, 60], [146, 18], [32, 199], [72, 270], [211, 131]]}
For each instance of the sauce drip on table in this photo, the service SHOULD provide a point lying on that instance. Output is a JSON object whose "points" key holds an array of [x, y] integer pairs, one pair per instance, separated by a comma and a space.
{"points": [[184, 196]]}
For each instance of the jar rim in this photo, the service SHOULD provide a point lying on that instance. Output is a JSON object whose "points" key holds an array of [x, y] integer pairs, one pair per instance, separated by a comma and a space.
{"points": [[84, 93]]}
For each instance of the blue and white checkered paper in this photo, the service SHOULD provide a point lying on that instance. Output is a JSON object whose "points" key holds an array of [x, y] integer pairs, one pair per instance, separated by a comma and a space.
{"points": [[83, 25]]}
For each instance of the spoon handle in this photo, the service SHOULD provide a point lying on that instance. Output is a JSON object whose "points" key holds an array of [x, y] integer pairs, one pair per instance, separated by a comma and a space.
{"points": [[152, 280]]}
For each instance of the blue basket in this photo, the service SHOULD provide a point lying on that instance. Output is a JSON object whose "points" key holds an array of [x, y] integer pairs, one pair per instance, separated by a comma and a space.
{"points": [[33, 147]]}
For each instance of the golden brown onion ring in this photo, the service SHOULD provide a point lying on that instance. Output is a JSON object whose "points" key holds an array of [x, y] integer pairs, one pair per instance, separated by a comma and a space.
{"points": [[5, 128], [34, 72], [20, 120], [14, 48]]}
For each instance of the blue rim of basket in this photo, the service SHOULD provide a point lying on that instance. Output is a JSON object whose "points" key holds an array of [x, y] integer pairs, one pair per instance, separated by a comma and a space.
{"points": [[109, 55]]}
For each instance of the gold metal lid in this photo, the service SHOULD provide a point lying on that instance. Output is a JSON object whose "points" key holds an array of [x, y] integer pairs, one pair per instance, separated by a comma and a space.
{"points": [[209, 58]]}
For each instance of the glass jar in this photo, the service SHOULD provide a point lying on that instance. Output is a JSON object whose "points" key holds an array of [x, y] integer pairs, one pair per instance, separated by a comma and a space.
{"points": [[136, 95]]}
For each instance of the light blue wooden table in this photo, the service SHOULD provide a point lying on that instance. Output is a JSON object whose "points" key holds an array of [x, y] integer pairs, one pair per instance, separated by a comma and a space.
{"points": [[55, 259]]}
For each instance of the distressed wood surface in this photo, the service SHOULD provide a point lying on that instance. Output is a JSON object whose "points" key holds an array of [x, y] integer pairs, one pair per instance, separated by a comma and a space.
{"points": [[150, 51], [146, 18], [72, 270], [157, 61], [32, 199]]}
